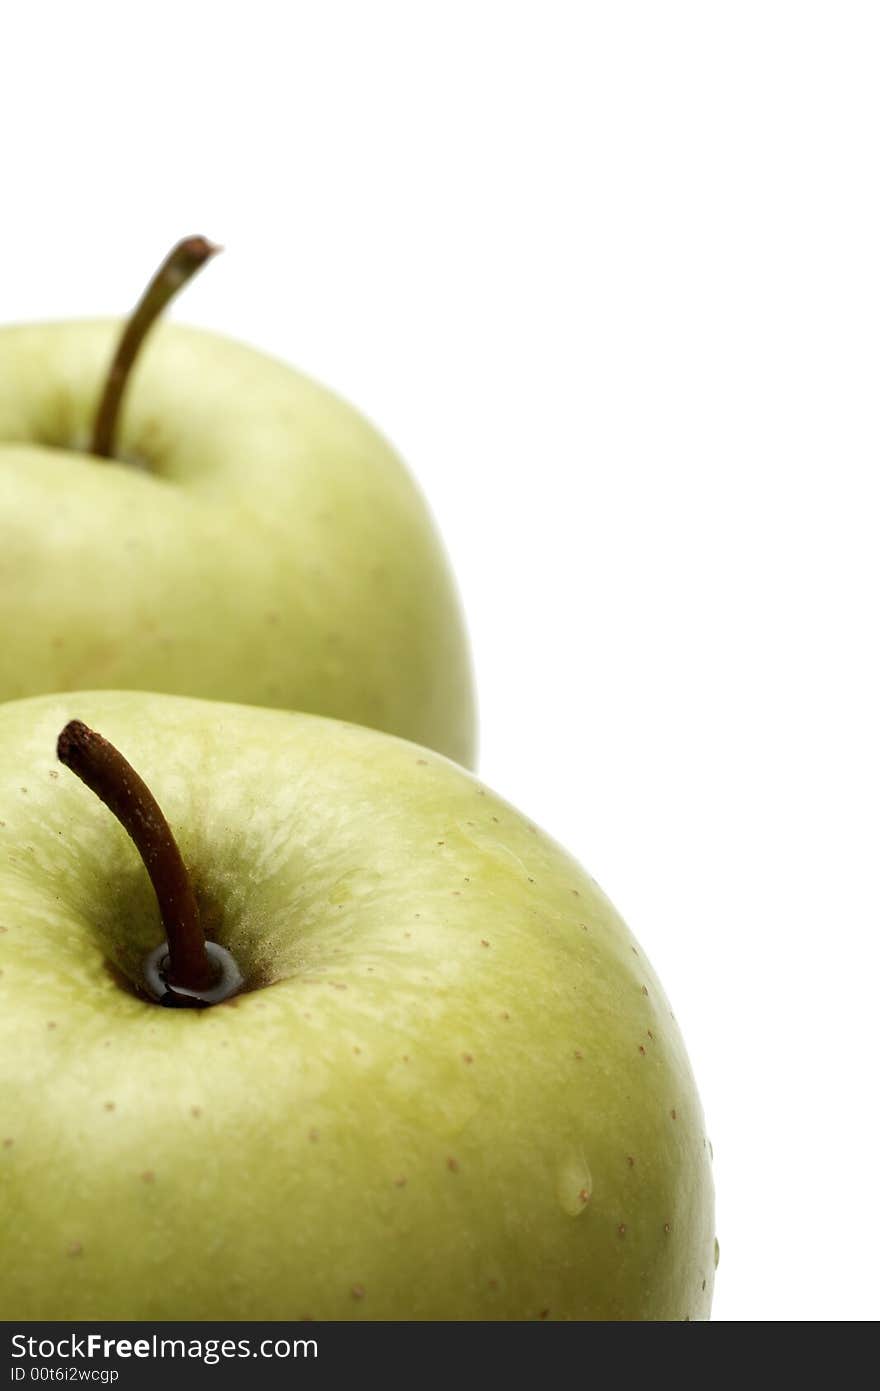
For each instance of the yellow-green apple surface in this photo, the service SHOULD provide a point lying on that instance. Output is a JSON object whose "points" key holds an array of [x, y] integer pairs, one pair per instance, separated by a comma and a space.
{"points": [[450, 1085], [250, 538]]}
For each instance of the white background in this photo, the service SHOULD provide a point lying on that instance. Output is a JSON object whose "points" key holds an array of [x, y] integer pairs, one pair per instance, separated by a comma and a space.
{"points": [[607, 274]]}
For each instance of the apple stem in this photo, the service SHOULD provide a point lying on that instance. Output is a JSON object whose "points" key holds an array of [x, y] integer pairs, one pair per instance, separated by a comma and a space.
{"points": [[179, 266], [111, 777]]}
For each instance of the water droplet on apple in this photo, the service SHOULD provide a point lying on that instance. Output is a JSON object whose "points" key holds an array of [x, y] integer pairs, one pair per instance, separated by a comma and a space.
{"points": [[229, 978], [574, 1184]]}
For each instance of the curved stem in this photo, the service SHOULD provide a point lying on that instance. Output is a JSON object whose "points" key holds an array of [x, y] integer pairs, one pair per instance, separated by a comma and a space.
{"points": [[112, 778], [179, 266]]}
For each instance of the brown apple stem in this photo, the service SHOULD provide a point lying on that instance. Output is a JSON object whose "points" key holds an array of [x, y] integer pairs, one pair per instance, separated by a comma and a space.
{"points": [[112, 778], [179, 266]]}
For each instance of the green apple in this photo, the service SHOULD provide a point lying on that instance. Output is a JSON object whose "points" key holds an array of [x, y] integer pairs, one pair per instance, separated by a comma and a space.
{"points": [[451, 1087], [253, 538]]}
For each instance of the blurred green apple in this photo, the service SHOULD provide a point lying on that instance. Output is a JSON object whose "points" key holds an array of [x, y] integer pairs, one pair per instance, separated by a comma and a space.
{"points": [[252, 538], [450, 1088]]}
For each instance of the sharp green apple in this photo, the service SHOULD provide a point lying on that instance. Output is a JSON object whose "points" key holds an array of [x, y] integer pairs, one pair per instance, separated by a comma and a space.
{"points": [[449, 1085], [249, 538]]}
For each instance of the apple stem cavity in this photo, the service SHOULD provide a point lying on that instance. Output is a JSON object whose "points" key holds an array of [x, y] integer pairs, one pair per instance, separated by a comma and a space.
{"points": [[179, 266], [186, 970]]}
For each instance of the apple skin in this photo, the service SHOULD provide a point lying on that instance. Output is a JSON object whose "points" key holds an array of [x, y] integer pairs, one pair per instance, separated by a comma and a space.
{"points": [[259, 543], [458, 1094]]}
